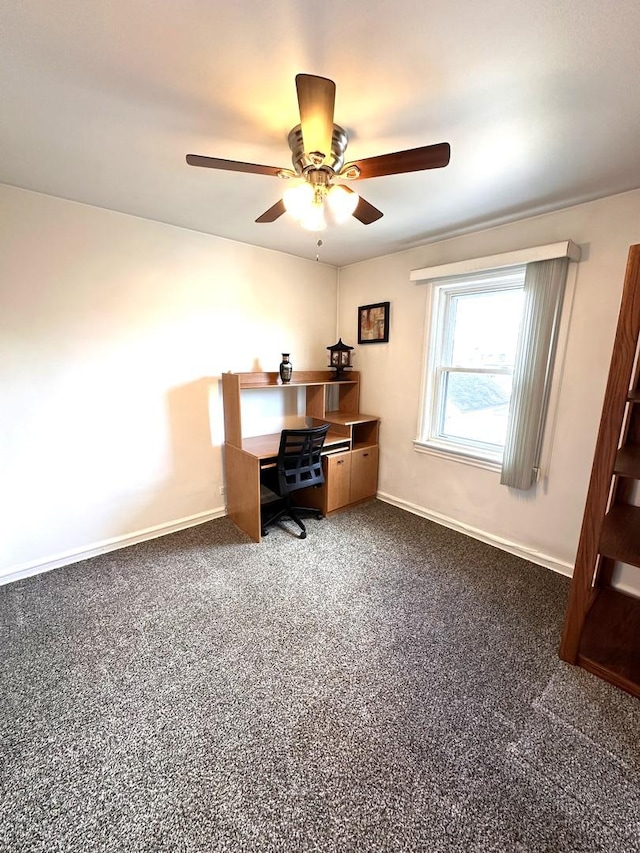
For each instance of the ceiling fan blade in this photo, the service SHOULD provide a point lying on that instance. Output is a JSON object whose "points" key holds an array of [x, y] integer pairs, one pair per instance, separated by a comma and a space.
{"points": [[231, 165], [366, 213], [316, 100], [273, 213], [413, 160]]}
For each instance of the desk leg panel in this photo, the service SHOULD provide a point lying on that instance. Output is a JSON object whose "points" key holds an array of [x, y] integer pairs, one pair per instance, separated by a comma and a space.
{"points": [[243, 490]]}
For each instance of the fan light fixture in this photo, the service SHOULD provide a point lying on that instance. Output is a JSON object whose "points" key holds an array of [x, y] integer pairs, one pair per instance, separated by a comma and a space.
{"points": [[318, 148], [306, 203]]}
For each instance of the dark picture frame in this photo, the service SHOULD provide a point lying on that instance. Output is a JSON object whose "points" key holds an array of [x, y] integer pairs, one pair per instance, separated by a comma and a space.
{"points": [[373, 323]]}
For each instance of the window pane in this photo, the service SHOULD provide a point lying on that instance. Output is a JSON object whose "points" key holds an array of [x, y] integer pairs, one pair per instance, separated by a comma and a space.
{"points": [[476, 407], [484, 328]]}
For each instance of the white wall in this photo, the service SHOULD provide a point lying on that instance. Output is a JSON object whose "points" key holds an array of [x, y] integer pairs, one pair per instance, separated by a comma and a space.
{"points": [[543, 523], [113, 331]]}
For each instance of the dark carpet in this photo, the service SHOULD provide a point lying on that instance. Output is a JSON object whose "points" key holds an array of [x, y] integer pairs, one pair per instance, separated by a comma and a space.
{"points": [[384, 685]]}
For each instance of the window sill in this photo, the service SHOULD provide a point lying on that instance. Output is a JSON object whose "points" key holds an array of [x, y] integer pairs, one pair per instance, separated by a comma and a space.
{"points": [[466, 456]]}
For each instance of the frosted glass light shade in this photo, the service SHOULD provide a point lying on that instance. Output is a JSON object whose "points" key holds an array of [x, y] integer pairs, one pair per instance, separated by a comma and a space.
{"points": [[298, 199], [313, 218], [342, 202]]}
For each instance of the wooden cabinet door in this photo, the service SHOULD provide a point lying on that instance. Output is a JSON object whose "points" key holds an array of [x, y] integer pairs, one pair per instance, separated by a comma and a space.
{"points": [[364, 473], [338, 477]]}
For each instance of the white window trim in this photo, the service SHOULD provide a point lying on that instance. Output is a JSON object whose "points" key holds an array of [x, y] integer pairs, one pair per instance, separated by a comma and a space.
{"points": [[564, 249], [488, 264], [465, 456]]}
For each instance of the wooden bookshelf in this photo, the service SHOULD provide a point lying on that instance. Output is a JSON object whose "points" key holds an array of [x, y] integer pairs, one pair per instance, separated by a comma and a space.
{"points": [[602, 624]]}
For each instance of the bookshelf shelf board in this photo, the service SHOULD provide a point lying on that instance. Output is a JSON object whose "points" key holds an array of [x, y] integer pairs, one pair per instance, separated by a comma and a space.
{"points": [[627, 462], [620, 538]]}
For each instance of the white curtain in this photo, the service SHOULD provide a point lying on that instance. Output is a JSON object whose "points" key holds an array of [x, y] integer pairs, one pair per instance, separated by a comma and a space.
{"points": [[543, 292]]}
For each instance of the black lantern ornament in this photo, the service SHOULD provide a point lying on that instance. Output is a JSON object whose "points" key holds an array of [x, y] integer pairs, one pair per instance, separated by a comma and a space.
{"points": [[340, 358]]}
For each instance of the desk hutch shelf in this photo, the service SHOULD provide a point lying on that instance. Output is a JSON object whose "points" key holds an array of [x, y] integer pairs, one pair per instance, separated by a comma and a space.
{"points": [[350, 456]]}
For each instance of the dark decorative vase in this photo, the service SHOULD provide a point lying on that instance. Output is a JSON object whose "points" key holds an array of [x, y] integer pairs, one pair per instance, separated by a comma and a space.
{"points": [[286, 368]]}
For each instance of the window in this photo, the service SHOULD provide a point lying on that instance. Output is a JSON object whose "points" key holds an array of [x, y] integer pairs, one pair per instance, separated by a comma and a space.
{"points": [[493, 325], [473, 335]]}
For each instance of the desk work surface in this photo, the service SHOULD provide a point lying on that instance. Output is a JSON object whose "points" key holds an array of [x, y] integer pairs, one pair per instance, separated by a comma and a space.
{"points": [[266, 446]]}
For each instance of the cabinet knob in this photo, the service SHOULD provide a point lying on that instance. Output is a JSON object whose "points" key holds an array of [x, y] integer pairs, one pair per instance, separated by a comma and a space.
{"points": [[340, 461], [365, 454]]}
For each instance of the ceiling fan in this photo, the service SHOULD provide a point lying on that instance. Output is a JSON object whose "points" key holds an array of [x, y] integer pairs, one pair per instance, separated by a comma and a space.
{"points": [[318, 149]]}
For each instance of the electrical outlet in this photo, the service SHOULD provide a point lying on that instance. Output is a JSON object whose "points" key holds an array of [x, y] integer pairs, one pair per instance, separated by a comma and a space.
{"points": [[223, 490]]}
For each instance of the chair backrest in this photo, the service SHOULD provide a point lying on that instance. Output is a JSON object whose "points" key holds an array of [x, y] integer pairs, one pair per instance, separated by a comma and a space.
{"points": [[299, 463]]}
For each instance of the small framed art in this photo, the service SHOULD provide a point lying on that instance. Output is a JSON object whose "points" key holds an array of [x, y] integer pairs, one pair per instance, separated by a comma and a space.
{"points": [[373, 323]]}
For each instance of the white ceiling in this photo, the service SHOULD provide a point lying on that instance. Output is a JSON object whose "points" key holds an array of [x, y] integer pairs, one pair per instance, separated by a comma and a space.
{"points": [[100, 101]]}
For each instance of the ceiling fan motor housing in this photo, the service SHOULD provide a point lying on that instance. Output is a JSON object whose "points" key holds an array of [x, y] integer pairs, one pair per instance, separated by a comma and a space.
{"points": [[303, 160]]}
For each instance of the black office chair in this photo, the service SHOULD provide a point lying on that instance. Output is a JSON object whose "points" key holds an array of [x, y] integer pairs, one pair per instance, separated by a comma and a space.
{"points": [[298, 466]]}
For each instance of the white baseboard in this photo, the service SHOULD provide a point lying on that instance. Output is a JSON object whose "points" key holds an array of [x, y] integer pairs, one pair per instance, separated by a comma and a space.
{"points": [[530, 554], [25, 570]]}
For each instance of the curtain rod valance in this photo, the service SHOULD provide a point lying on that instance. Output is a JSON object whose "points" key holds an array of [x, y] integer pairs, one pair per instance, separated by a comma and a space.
{"points": [[564, 249]]}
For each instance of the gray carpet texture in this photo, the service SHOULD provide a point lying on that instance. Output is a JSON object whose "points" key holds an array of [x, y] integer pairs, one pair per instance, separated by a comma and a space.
{"points": [[386, 684]]}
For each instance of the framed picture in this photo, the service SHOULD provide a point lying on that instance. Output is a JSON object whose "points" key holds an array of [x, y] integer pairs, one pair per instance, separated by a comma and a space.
{"points": [[373, 323]]}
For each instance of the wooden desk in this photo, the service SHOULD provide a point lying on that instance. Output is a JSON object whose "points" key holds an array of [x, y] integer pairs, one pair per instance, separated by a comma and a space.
{"points": [[350, 453]]}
